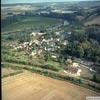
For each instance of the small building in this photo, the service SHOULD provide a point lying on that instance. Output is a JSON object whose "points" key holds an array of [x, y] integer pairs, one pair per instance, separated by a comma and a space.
{"points": [[36, 42], [33, 53], [37, 33], [53, 56], [44, 12], [69, 61], [39, 51], [65, 43], [58, 39], [30, 43], [65, 23], [75, 64], [19, 47], [57, 33], [33, 33], [69, 33]]}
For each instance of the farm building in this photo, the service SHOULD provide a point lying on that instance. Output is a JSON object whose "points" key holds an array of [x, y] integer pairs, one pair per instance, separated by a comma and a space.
{"points": [[75, 64], [74, 71]]}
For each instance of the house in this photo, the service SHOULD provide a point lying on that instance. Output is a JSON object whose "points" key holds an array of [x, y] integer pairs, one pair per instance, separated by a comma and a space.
{"points": [[74, 64], [65, 23], [65, 43], [51, 39], [25, 44], [40, 33], [58, 39], [30, 43], [58, 47], [37, 33], [44, 40], [19, 47], [57, 33], [45, 48], [53, 56], [36, 42], [74, 71], [69, 61], [39, 51], [69, 33], [33, 33], [44, 12], [33, 53]]}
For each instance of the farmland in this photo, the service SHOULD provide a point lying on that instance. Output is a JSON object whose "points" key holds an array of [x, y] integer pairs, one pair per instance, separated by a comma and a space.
{"points": [[48, 53], [29, 22], [26, 86], [8, 71], [95, 20]]}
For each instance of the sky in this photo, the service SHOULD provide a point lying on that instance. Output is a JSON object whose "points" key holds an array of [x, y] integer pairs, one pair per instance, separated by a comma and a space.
{"points": [[34, 1]]}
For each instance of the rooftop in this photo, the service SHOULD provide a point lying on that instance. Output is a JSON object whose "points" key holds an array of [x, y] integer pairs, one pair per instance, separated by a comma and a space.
{"points": [[73, 70]]}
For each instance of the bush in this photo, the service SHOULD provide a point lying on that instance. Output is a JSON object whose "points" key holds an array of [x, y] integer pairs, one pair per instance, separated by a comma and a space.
{"points": [[48, 66]]}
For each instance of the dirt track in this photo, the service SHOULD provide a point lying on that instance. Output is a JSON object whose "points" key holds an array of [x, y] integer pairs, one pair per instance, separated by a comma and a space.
{"points": [[30, 86]]}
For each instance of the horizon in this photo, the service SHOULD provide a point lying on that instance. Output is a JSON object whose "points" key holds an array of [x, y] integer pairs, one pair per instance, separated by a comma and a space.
{"points": [[39, 1]]}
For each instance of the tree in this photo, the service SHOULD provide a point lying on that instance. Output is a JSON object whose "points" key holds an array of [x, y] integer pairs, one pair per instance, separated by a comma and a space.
{"points": [[94, 78], [80, 51]]}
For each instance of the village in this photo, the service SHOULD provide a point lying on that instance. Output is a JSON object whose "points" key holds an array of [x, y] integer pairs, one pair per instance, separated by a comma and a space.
{"points": [[42, 44], [48, 46], [50, 50]]}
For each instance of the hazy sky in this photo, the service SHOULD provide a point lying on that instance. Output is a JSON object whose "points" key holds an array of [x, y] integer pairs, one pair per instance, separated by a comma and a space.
{"points": [[32, 1]]}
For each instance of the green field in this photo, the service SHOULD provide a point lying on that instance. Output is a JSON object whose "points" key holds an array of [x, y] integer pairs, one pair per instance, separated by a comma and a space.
{"points": [[31, 22]]}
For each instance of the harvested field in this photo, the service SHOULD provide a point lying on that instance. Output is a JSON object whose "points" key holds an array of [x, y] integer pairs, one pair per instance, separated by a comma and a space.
{"points": [[31, 86], [7, 71], [94, 21]]}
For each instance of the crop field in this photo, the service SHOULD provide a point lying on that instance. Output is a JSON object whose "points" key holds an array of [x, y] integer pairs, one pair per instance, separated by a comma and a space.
{"points": [[30, 22], [31, 86]]}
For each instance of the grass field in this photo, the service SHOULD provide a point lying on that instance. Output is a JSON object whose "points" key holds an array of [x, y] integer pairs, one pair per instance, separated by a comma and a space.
{"points": [[29, 22], [31, 86]]}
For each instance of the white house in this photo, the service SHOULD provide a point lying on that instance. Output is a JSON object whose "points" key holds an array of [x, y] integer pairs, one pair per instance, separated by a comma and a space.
{"points": [[33, 33], [39, 51], [30, 43], [37, 33], [69, 33], [36, 41], [57, 33], [53, 56], [69, 61], [33, 53], [75, 64]]}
